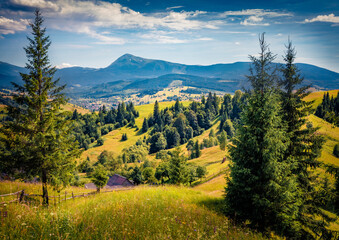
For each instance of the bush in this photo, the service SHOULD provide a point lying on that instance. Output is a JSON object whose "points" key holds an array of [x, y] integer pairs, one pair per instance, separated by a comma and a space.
{"points": [[336, 150], [100, 142]]}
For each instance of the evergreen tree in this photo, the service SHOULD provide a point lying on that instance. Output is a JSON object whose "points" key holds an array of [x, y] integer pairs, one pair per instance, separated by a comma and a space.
{"points": [[203, 100], [144, 126], [156, 112], [196, 150], [336, 150], [223, 140], [177, 106], [260, 187], [38, 141], [178, 168], [304, 145]]}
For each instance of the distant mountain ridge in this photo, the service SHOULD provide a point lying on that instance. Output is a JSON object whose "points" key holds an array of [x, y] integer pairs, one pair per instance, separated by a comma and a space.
{"points": [[139, 73]]}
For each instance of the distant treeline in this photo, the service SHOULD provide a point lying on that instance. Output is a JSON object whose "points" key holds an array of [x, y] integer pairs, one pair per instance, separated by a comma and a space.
{"points": [[329, 109]]}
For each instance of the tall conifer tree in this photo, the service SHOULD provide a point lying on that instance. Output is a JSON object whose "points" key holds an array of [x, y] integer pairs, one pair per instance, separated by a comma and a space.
{"points": [[260, 188], [38, 140], [304, 145]]}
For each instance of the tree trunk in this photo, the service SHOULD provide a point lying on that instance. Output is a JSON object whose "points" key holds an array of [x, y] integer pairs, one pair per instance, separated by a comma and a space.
{"points": [[44, 188]]}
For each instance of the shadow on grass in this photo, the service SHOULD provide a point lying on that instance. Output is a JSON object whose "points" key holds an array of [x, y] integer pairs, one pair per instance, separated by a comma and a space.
{"points": [[216, 205]]}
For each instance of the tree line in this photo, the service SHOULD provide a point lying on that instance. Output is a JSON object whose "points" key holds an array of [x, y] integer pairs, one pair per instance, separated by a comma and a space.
{"points": [[328, 109]]}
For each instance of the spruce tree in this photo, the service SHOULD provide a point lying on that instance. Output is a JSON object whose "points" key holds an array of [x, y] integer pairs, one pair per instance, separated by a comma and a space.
{"points": [[260, 188], [223, 141], [156, 112], [197, 151], [144, 126], [304, 145], [38, 141]]}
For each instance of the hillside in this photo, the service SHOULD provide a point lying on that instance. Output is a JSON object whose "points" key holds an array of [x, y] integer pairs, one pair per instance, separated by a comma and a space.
{"points": [[132, 72], [212, 157], [186, 213]]}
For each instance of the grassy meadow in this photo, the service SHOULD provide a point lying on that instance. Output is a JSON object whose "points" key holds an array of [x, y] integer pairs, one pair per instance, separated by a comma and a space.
{"points": [[142, 213]]}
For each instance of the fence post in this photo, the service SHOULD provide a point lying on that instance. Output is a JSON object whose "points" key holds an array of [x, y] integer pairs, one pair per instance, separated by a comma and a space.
{"points": [[54, 200], [59, 198], [65, 195], [22, 195], [72, 195]]}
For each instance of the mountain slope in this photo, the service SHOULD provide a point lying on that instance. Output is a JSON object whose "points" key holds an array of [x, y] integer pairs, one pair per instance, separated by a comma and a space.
{"points": [[132, 68]]}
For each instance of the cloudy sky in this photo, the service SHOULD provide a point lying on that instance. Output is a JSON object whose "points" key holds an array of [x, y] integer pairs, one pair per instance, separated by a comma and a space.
{"points": [[93, 33]]}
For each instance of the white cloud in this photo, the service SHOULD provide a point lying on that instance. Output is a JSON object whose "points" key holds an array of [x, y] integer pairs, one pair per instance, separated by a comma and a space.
{"points": [[37, 4], [254, 21], [175, 7], [89, 16], [164, 38], [331, 18], [256, 16], [255, 12], [65, 65], [237, 43], [10, 26], [161, 38], [205, 39]]}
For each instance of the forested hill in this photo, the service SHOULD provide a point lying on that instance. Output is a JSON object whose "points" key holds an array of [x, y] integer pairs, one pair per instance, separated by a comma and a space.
{"points": [[131, 69]]}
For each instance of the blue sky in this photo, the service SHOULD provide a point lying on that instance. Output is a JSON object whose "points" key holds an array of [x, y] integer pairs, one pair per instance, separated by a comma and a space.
{"points": [[94, 33]]}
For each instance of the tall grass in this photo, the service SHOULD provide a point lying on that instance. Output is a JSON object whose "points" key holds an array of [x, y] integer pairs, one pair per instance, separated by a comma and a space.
{"points": [[143, 213]]}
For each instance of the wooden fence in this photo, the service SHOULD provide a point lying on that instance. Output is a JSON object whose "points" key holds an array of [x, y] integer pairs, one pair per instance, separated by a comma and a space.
{"points": [[22, 197]]}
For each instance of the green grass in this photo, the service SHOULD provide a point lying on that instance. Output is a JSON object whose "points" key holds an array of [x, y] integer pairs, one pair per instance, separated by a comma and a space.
{"points": [[214, 187], [142, 213], [331, 134]]}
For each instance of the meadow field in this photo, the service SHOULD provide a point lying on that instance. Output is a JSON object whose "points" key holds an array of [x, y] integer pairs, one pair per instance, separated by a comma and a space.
{"points": [[146, 212]]}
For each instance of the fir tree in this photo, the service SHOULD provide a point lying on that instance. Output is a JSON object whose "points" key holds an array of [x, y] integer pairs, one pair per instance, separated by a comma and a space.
{"points": [[260, 188], [223, 140], [38, 141], [156, 113], [197, 151], [144, 126], [178, 167], [304, 145]]}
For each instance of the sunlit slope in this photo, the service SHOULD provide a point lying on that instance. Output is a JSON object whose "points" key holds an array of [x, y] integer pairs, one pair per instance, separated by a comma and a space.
{"points": [[71, 107], [318, 96], [112, 141], [214, 187], [331, 135]]}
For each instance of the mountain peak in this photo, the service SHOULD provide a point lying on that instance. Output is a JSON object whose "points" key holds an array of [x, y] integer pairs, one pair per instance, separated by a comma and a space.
{"points": [[128, 59]]}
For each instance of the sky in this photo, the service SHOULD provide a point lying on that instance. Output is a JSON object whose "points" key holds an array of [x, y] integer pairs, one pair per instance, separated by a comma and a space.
{"points": [[94, 33]]}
